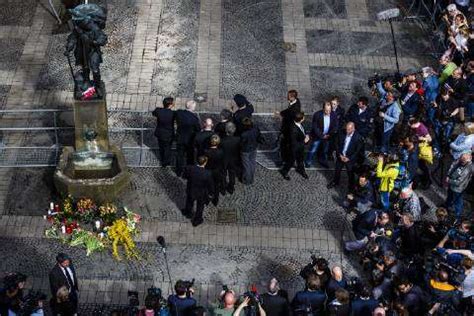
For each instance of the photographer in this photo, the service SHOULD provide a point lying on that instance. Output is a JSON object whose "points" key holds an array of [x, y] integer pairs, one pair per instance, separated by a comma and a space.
{"points": [[11, 295], [310, 301], [444, 292], [459, 237], [412, 297], [362, 198], [226, 305], [434, 232], [336, 282], [182, 303], [250, 307], [364, 227], [386, 271]]}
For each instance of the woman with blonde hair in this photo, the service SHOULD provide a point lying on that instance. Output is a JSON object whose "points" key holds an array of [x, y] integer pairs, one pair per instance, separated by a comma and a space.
{"points": [[63, 305]]}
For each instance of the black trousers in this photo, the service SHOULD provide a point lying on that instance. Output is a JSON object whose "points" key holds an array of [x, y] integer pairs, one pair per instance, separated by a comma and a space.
{"points": [[200, 203], [297, 157], [350, 168], [230, 173], [184, 157], [164, 147]]}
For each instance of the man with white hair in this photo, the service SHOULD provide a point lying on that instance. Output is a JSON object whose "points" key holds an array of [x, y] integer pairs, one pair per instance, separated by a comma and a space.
{"points": [[275, 301], [459, 176], [187, 125], [409, 203]]}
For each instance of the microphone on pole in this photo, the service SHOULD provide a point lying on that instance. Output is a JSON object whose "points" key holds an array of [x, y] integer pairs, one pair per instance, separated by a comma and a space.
{"points": [[161, 241]]}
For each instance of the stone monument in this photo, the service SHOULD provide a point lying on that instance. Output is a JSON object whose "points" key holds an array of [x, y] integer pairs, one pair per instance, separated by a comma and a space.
{"points": [[92, 168]]}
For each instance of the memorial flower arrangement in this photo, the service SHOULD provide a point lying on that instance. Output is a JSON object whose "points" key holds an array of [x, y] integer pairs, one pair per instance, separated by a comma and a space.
{"points": [[82, 223]]}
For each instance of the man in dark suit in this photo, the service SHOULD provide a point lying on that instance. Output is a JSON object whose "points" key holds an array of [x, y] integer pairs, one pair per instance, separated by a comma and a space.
{"points": [[244, 110], [215, 164], [323, 128], [64, 274], [287, 118], [200, 185], [187, 126], [230, 145], [312, 299], [275, 301], [298, 138], [349, 153], [411, 102], [365, 304], [165, 130], [362, 116], [201, 141]]}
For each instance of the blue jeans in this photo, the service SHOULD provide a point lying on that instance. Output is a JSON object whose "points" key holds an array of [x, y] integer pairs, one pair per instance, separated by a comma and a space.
{"points": [[442, 134], [385, 200], [455, 198], [314, 148], [386, 140], [470, 111]]}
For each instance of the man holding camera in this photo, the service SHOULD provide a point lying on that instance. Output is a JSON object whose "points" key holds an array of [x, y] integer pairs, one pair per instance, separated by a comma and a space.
{"points": [[182, 303]]}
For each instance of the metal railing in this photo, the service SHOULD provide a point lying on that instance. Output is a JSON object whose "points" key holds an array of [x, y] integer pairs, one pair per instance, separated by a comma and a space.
{"points": [[35, 138]]}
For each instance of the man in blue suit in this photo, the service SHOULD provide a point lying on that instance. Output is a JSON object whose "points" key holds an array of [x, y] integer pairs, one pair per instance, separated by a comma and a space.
{"points": [[312, 299], [323, 129]]}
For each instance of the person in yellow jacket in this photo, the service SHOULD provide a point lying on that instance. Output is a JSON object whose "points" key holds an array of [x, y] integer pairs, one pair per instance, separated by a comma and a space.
{"points": [[387, 173]]}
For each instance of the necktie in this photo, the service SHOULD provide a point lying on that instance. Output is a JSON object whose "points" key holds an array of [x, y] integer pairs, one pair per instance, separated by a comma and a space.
{"points": [[69, 280]]}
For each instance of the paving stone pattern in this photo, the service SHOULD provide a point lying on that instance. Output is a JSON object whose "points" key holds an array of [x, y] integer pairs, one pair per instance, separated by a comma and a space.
{"points": [[211, 48]]}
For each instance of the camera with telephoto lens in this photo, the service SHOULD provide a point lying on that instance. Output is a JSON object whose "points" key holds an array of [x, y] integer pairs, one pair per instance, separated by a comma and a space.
{"points": [[30, 302], [188, 285]]}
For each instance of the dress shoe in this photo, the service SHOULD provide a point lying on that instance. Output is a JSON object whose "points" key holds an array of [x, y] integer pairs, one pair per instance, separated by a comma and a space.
{"points": [[303, 174], [285, 175], [197, 221]]}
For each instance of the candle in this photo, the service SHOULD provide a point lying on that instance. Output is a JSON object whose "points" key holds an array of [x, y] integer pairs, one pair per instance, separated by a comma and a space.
{"points": [[63, 229], [97, 225], [51, 206]]}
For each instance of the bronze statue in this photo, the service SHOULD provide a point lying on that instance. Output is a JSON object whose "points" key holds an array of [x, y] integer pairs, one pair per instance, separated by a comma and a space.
{"points": [[86, 40]]}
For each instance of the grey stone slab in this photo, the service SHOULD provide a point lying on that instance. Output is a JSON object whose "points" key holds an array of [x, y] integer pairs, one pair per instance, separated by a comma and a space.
{"points": [[252, 57], [14, 12], [325, 8], [364, 43], [347, 83], [174, 72], [10, 53], [121, 21]]}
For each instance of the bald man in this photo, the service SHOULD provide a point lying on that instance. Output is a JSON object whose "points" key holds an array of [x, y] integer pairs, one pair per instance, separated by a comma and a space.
{"points": [[336, 282], [349, 152]]}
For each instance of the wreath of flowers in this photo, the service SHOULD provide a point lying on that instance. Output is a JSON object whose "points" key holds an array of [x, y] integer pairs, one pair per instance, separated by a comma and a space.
{"points": [[82, 223]]}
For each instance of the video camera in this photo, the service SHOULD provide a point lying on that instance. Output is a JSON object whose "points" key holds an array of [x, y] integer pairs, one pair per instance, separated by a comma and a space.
{"points": [[438, 260]]}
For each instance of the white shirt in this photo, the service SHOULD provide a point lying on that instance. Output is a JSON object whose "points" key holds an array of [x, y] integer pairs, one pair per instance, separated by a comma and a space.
{"points": [[468, 285], [327, 122], [347, 141], [70, 274], [300, 127], [362, 111]]}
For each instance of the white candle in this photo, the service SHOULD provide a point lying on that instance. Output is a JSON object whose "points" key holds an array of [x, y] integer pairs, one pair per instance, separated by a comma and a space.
{"points": [[63, 229], [51, 206], [97, 224]]}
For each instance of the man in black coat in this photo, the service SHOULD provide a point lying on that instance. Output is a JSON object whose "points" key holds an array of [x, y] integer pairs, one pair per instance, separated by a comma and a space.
{"points": [[275, 301], [64, 274], [323, 129], [230, 145], [201, 141], [287, 118], [187, 126], [215, 164], [200, 185], [244, 110], [298, 138], [362, 116], [312, 299], [165, 130], [349, 153]]}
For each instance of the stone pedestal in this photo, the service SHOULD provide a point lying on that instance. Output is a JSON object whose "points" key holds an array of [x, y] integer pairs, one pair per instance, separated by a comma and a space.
{"points": [[92, 169]]}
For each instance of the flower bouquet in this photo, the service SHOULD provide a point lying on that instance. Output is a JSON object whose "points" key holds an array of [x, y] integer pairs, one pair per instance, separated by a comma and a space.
{"points": [[83, 224]]}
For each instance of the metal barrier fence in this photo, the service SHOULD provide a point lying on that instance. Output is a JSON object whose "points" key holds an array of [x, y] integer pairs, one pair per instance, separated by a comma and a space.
{"points": [[35, 138]]}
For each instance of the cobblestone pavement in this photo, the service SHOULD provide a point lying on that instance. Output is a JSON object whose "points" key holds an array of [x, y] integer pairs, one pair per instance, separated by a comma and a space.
{"points": [[214, 49]]}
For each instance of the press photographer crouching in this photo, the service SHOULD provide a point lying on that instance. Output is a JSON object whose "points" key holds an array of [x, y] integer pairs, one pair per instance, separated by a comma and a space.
{"points": [[251, 305], [226, 303], [182, 303], [367, 226]]}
